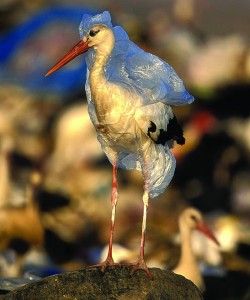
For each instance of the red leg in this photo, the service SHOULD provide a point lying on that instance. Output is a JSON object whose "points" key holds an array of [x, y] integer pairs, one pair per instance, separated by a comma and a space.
{"points": [[114, 198], [140, 264]]}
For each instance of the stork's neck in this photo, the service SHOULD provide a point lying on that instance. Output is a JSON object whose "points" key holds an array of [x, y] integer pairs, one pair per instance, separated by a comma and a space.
{"points": [[187, 254], [97, 70], [188, 265], [102, 54]]}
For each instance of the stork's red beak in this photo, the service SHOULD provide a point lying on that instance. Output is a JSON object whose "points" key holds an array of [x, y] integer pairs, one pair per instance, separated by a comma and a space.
{"points": [[78, 49], [205, 230]]}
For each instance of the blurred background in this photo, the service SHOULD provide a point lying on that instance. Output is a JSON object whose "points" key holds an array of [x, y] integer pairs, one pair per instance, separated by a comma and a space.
{"points": [[55, 182]]}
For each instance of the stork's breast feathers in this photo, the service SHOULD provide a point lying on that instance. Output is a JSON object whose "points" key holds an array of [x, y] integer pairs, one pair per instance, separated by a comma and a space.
{"points": [[159, 123]]}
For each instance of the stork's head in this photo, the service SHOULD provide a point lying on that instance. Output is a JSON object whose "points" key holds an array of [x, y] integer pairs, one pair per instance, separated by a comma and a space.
{"points": [[191, 219], [99, 36], [95, 31]]}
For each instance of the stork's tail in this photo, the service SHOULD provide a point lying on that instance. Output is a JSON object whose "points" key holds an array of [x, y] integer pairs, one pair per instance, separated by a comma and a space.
{"points": [[159, 170], [156, 162]]}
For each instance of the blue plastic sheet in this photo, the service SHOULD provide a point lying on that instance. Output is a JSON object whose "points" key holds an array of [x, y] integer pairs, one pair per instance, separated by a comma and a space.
{"points": [[28, 51]]}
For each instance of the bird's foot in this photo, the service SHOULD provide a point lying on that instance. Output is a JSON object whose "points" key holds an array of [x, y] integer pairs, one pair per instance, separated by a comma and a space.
{"points": [[140, 265], [108, 262]]}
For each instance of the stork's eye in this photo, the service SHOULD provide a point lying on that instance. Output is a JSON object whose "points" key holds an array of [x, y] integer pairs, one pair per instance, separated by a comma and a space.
{"points": [[194, 218], [93, 32]]}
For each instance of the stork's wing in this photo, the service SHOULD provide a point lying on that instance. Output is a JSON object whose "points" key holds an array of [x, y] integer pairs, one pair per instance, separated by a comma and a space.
{"points": [[158, 122], [152, 77], [158, 79]]}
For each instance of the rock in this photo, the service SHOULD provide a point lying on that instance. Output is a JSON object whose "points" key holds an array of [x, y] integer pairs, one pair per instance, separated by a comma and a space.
{"points": [[115, 283]]}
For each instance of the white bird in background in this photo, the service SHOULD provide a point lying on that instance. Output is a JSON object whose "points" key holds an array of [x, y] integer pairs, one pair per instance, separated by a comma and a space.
{"points": [[189, 220], [129, 92]]}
